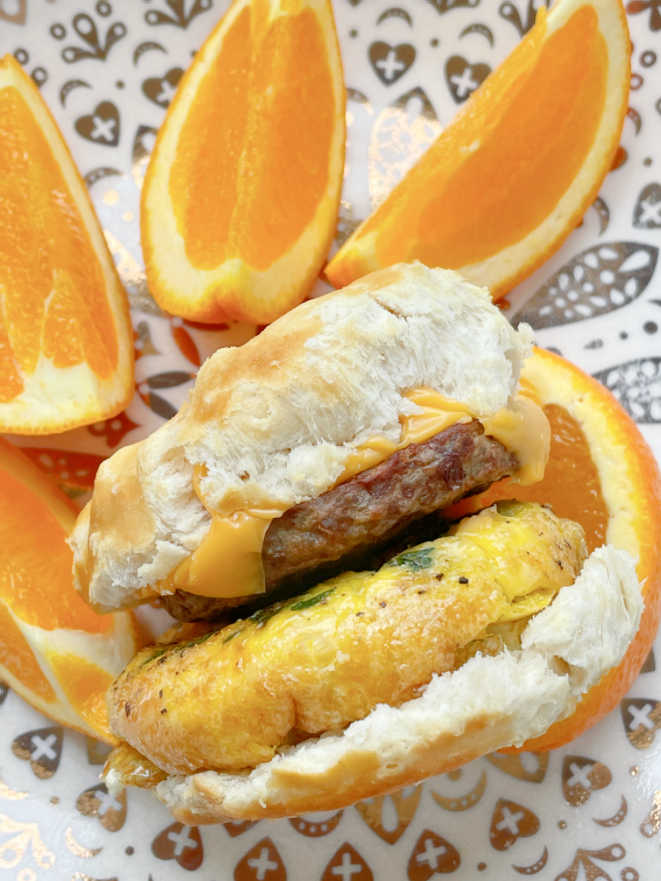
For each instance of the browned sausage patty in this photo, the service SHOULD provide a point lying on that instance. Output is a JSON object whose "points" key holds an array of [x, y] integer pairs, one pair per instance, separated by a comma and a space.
{"points": [[370, 508]]}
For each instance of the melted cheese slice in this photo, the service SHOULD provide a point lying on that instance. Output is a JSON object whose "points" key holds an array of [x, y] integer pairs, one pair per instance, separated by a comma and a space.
{"points": [[228, 561]]}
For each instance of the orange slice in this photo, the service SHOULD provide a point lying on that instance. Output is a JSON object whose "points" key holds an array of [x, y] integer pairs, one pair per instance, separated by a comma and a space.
{"points": [[508, 180], [66, 346], [240, 199], [602, 474], [55, 652]]}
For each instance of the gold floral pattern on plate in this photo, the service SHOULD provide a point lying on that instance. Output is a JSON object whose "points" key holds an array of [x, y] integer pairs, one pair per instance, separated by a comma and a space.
{"points": [[108, 70]]}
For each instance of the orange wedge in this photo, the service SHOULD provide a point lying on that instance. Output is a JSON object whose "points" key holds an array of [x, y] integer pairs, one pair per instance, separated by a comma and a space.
{"points": [[508, 180], [66, 346], [602, 474], [240, 199], [55, 652]]}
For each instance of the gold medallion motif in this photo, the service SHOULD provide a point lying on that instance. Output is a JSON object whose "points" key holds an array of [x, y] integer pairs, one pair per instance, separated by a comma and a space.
{"points": [[110, 810], [641, 718], [346, 862], [390, 815], [432, 855], [262, 863], [180, 843], [509, 822], [581, 777]]}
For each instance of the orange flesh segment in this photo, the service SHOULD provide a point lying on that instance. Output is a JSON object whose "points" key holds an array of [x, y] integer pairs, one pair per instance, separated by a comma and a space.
{"points": [[49, 270], [11, 383], [617, 681], [85, 686], [526, 159], [17, 657], [35, 569], [203, 183], [293, 173], [268, 159], [570, 465]]}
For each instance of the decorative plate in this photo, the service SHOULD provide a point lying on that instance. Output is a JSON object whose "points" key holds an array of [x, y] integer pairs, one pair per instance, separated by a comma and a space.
{"points": [[108, 69]]}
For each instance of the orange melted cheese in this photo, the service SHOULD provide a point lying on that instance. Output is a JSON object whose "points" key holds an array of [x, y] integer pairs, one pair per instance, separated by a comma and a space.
{"points": [[228, 561]]}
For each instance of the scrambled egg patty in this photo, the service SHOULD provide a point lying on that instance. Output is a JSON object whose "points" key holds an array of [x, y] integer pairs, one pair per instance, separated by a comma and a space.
{"points": [[230, 699]]}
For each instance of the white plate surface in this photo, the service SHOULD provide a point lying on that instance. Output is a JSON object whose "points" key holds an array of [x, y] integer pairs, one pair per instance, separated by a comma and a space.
{"points": [[589, 811]]}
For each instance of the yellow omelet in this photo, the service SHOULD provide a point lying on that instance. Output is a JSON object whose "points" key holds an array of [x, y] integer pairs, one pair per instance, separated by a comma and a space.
{"points": [[231, 698]]}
